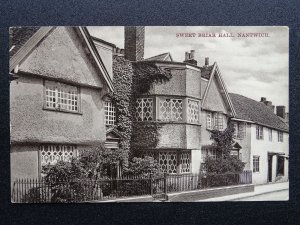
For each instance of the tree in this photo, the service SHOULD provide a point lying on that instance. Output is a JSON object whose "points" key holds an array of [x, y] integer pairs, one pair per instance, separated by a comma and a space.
{"points": [[225, 163]]}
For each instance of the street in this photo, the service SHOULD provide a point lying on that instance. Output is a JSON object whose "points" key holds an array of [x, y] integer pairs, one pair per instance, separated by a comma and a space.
{"points": [[273, 196]]}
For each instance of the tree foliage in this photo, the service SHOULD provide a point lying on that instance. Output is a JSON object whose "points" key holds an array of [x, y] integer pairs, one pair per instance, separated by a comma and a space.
{"points": [[223, 141]]}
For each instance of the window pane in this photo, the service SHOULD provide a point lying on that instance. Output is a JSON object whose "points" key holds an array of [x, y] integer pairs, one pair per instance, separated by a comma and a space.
{"points": [[61, 96], [193, 111], [51, 154], [110, 113]]}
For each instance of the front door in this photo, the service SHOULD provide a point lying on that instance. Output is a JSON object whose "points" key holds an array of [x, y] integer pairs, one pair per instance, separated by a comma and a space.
{"points": [[270, 157]]}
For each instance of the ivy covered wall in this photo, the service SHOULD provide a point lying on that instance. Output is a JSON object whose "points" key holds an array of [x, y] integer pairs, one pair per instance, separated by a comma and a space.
{"points": [[131, 79], [122, 98]]}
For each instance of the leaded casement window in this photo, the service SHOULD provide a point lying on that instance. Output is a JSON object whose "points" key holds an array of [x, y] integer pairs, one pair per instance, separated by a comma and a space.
{"points": [[110, 113], [239, 130], [214, 121], [280, 136], [170, 109], [193, 111], [61, 96], [168, 161], [270, 135], [209, 122], [185, 162], [51, 154], [255, 163], [259, 132], [218, 121], [144, 109], [171, 162]]}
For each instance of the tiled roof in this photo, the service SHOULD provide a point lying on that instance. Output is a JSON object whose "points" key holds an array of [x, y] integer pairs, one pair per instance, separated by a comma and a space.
{"points": [[19, 36], [160, 57], [206, 71], [257, 112]]}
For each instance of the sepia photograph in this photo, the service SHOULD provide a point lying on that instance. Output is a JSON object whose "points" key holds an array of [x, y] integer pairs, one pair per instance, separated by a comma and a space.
{"points": [[149, 114]]}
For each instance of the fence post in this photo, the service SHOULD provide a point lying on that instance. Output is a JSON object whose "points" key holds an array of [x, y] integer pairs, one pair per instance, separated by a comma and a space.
{"points": [[165, 183], [151, 185]]}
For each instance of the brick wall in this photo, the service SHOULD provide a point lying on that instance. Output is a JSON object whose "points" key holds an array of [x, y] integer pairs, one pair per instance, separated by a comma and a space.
{"points": [[134, 43]]}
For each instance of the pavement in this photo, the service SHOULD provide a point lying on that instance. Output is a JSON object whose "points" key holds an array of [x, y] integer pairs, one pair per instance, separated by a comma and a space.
{"points": [[259, 191]]}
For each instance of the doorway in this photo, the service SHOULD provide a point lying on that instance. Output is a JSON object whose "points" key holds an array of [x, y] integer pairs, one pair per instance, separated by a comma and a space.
{"points": [[270, 159]]}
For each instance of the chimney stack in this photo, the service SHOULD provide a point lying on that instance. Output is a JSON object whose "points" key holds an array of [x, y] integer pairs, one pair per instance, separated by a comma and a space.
{"points": [[267, 103], [280, 111], [206, 61], [190, 58], [134, 43], [263, 99]]}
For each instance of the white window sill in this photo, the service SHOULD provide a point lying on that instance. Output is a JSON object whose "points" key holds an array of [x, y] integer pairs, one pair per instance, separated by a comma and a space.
{"points": [[61, 110]]}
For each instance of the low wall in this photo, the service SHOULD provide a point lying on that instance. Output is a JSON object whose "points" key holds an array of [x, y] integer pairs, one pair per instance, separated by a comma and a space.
{"points": [[189, 196]]}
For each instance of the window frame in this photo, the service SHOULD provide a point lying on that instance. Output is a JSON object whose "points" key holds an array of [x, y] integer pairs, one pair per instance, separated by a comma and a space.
{"points": [[280, 136], [270, 135], [161, 99], [110, 109], [59, 109], [179, 153], [256, 164], [240, 130], [259, 132], [213, 121], [74, 149], [137, 114], [188, 111]]}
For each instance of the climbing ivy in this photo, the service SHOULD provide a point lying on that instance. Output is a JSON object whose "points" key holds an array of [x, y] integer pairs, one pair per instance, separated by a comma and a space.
{"points": [[130, 80], [145, 74], [122, 98]]}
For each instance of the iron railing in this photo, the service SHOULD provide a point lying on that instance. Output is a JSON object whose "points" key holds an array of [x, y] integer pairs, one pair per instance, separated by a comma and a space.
{"points": [[75, 190]]}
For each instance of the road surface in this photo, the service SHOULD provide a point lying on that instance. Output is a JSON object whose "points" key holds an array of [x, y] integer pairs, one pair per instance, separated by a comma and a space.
{"points": [[273, 196]]}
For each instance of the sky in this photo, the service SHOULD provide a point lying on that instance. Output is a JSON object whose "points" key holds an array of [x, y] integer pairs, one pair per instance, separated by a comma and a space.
{"points": [[251, 66]]}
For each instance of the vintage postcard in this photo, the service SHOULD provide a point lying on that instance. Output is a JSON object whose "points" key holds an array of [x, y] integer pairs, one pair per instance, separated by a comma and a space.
{"points": [[149, 114]]}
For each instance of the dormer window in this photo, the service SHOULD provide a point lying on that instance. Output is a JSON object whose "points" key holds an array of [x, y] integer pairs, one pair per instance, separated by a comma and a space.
{"points": [[110, 113]]}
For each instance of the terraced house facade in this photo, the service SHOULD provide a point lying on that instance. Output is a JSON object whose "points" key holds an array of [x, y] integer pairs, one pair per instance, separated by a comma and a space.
{"points": [[196, 101], [69, 75]]}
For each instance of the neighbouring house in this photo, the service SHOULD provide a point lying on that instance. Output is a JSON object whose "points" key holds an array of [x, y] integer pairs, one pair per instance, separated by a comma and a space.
{"points": [[57, 105], [264, 139]]}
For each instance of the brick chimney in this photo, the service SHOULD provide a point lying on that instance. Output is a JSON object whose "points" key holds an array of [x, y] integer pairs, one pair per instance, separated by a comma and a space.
{"points": [[267, 103], [190, 57], [280, 111], [134, 43], [206, 61]]}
